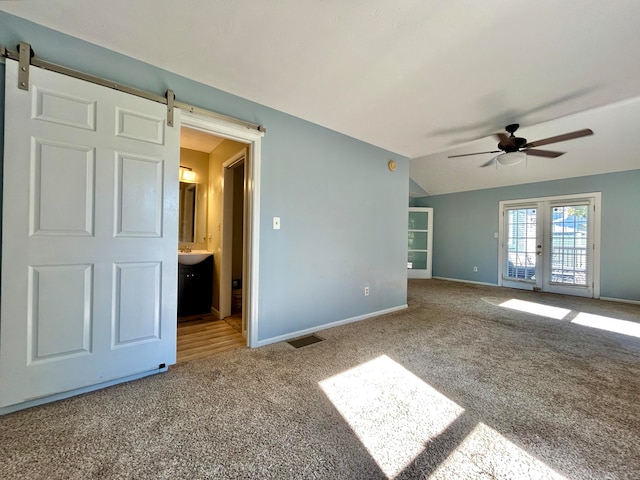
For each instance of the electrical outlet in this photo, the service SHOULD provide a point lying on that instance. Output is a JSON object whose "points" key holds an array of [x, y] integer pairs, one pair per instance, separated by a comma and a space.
{"points": [[475, 269], [366, 291]]}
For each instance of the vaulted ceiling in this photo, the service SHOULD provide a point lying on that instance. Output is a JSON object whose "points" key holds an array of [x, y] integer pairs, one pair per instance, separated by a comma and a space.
{"points": [[423, 78]]}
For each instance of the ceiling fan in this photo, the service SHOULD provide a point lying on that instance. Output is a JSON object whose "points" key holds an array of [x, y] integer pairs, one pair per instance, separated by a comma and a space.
{"points": [[514, 149]]}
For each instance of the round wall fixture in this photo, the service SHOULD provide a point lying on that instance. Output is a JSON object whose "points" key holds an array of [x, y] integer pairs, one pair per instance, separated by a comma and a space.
{"points": [[392, 165]]}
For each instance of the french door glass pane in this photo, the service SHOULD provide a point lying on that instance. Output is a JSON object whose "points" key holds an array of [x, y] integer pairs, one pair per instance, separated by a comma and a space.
{"points": [[417, 260], [569, 244], [417, 240], [418, 220], [521, 243]]}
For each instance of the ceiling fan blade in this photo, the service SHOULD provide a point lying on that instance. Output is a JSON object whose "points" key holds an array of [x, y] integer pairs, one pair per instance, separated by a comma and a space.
{"points": [[543, 153], [560, 138], [468, 154], [502, 138], [489, 163]]}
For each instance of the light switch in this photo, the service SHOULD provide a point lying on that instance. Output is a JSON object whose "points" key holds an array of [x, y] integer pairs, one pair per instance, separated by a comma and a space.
{"points": [[276, 223]]}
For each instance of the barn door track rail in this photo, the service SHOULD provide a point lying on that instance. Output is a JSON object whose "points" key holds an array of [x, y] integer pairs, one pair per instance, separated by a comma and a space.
{"points": [[26, 58]]}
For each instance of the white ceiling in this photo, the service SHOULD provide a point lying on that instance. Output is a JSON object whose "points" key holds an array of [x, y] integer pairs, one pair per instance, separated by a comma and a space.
{"points": [[198, 141], [416, 77]]}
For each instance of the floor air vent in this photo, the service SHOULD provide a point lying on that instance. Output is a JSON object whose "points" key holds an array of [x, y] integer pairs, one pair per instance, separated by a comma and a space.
{"points": [[304, 341]]}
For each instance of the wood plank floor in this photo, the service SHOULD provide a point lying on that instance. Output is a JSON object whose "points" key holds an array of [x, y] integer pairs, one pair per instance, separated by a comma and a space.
{"points": [[205, 337]]}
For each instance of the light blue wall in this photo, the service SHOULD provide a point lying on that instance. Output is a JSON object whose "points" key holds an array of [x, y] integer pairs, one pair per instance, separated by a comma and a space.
{"points": [[343, 212], [465, 223]]}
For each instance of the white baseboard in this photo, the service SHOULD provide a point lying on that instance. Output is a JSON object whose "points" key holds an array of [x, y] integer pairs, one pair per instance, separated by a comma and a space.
{"points": [[307, 331], [77, 391], [467, 281], [215, 312], [620, 300]]}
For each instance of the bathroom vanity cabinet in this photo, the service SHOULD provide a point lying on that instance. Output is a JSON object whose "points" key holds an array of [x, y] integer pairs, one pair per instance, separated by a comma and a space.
{"points": [[195, 288]]}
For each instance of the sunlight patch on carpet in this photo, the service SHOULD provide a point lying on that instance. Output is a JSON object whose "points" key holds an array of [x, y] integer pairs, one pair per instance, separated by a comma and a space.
{"points": [[536, 308], [392, 411], [607, 323], [484, 453]]}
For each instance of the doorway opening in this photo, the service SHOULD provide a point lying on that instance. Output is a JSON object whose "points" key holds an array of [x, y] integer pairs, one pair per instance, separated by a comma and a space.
{"points": [[551, 244], [220, 166], [233, 241]]}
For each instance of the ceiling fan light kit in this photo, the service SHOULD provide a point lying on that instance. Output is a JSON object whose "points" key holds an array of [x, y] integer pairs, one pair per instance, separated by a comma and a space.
{"points": [[511, 158], [514, 150]]}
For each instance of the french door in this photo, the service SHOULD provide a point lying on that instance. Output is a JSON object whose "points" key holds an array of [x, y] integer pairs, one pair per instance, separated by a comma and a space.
{"points": [[89, 252], [551, 244]]}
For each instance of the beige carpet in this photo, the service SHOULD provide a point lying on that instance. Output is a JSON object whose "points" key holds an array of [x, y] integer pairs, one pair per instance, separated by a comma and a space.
{"points": [[456, 386]]}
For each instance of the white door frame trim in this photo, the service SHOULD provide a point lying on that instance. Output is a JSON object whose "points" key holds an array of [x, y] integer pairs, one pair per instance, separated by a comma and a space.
{"points": [[597, 198], [253, 140]]}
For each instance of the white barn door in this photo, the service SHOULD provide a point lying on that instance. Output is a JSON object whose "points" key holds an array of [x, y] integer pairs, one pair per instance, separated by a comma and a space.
{"points": [[89, 250]]}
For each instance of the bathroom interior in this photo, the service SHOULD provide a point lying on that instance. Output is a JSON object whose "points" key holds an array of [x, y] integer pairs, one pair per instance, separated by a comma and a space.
{"points": [[212, 181]]}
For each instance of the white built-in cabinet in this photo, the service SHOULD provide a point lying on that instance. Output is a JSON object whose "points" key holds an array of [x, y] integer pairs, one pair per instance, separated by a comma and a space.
{"points": [[420, 242]]}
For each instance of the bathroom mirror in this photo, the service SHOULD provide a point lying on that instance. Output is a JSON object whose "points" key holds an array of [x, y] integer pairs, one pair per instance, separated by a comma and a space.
{"points": [[188, 195], [193, 213]]}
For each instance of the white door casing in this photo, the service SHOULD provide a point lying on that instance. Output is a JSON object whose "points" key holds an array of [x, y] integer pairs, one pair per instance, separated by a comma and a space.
{"points": [[89, 253]]}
